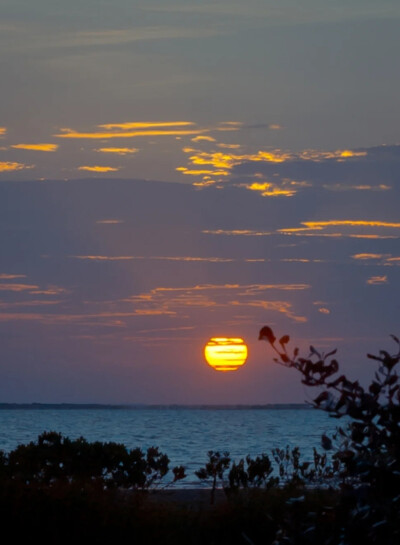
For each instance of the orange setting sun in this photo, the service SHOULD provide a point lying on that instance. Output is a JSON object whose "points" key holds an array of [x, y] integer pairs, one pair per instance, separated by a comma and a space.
{"points": [[225, 354]]}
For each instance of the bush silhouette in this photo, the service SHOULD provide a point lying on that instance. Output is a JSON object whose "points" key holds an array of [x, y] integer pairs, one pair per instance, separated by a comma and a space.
{"points": [[369, 446], [54, 459]]}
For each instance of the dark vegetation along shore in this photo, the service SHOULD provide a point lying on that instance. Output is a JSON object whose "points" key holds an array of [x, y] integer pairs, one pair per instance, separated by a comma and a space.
{"points": [[72, 491]]}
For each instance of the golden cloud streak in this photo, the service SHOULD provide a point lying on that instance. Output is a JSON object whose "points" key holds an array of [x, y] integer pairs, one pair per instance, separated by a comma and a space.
{"points": [[10, 166], [203, 138], [229, 160], [37, 147], [50, 290], [377, 280], [18, 287], [145, 125], [237, 232], [34, 303], [342, 187], [97, 168], [367, 256], [352, 223], [271, 190], [229, 146], [118, 151], [103, 257], [3, 131], [69, 133], [278, 306], [189, 259], [186, 171], [109, 222], [5, 276]]}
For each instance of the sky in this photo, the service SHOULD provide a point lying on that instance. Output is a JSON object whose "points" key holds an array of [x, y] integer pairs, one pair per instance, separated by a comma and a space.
{"points": [[174, 171]]}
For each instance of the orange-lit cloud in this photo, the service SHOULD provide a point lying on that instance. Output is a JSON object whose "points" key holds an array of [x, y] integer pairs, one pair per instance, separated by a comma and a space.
{"points": [[103, 257], [275, 127], [33, 303], [104, 135], [317, 228], [237, 232], [5, 276], [352, 223], [229, 146], [343, 187], [50, 290], [118, 151], [367, 256], [283, 307], [199, 172], [37, 147], [109, 222], [377, 280], [10, 166], [268, 189], [188, 259], [3, 131], [217, 296], [203, 138], [17, 287], [145, 125], [324, 310], [97, 168], [229, 160]]}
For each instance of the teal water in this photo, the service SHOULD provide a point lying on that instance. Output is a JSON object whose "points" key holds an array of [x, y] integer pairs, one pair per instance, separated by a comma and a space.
{"points": [[185, 434]]}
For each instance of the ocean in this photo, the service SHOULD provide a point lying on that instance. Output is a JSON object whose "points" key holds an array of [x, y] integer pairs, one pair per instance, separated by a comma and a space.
{"points": [[184, 433]]}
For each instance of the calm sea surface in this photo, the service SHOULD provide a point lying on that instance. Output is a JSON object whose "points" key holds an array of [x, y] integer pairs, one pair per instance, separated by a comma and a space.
{"points": [[185, 434]]}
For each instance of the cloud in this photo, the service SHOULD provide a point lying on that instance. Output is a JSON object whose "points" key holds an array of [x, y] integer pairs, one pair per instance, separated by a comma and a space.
{"points": [[268, 189], [50, 290], [97, 168], [218, 296], [229, 146], [377, 280], [37, 147], [146, 125], [103, 257], [203, 138], [32, 303], [365, 187], [3, 131], [118, 151], [6, 166], [317, 228], [5, 276], [367, 256], [109, 222], [238, 232], [188, 259], [199, 172], [17, 287]]}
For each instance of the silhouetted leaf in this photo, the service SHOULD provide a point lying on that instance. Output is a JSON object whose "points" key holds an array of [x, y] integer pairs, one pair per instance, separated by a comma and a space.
{"points": [[266, 333], [284, 340]]}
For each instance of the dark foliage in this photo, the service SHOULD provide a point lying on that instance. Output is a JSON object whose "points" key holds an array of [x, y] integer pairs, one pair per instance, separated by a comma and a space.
{"points": [[368, 509], [57, 459]]}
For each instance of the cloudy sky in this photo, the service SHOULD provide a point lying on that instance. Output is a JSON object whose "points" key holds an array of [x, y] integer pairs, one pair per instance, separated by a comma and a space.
{"points": [[172, 171]]}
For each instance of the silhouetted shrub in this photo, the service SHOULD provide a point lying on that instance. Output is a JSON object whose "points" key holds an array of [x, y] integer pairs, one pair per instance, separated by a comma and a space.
{"points": [[369, 447], [54, 458]]}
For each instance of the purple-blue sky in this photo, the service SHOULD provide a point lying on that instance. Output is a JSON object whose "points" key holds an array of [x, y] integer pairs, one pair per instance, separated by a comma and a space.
{"points": [[173, 171]]}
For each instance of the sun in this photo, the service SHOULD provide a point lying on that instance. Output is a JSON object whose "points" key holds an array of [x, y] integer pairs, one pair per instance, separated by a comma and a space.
{"points": [[225, 354]]}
